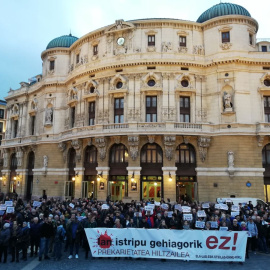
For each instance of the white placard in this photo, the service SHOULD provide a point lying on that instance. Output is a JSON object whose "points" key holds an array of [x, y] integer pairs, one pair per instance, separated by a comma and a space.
{"points": [[235, 208], [223, 206], [205, 205], [200, 224], [234, 214], [214, 224], [149, 209], [157, 203], [135, 214], [186, 209], [71, 205], [217, 206], [170, 213], [201, 213], [8, 203], [151, 205], [105, 206], [37, 204], [228, 201], [223, 228], [188, 217], [178, 207], [3, 207], [164, 206], [10, 209]]}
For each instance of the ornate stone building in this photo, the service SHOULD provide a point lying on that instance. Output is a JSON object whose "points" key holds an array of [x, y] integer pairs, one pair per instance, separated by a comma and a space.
{"points": [[147, 108]]}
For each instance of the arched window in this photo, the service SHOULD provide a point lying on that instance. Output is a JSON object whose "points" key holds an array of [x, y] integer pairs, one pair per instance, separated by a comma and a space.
{"points": [[266, 156], [151, 153], [118, 154], [185, 154], [71, 162], [90, 155]]}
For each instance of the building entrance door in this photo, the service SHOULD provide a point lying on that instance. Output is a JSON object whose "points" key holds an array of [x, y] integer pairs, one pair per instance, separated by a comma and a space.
{"points": [[118, 187], [151, 188], [186, 188]]}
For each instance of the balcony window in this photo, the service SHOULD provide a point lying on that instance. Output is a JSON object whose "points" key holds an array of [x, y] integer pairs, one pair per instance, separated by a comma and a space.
{"points": [[151, 40], [92, 110], [151, 109], [119, 110], [183, 41], [266, 101], [185, 109]]}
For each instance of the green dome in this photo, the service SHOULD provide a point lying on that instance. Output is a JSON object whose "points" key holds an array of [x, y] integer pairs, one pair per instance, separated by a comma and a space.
{"points": [[63, 41], [222, 9]]}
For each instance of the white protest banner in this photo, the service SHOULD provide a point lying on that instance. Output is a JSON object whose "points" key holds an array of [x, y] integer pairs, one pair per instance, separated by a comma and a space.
{"points": [[234, 214], [3, 207], [71, 205], [152, 205], [164, 206], [201, 213], [235, 208], [157, 203], [223, 206], [200, 224], [217, 206], [205, 205], [105, 206], [170, 214], [187, 217], [135, 214], [10, 209], [186, 209], [8, 203], [37, 204], [214, 224], [148, 209], [223, 228], [178, 207], [197, 245], [228, 201]]}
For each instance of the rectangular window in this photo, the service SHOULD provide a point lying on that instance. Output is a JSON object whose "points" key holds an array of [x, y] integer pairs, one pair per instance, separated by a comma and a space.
{"points": [[33, 120], [2, 112], [151, 40], [225, 37], [72, 116], [15, 128], [183, 41], [266, 101], [1, 139], [95, 50], [185, 109], [52, 65], [1, 127], [250, 39], [92, 113], [119, 110], [264, 48], [77, 58], [151, 109]]}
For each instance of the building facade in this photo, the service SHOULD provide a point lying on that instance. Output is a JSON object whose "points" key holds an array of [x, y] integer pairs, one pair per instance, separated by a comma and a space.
{"points": [[150, 108]]}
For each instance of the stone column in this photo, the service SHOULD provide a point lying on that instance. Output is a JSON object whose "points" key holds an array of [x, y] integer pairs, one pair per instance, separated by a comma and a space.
{"points": [[169, 186], [79, 172], [102, 190], [134, 186]]}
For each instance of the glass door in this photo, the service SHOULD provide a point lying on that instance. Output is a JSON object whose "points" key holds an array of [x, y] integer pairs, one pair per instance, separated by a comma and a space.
{"points": [[186, 188], [151, 188], [118, 187]]}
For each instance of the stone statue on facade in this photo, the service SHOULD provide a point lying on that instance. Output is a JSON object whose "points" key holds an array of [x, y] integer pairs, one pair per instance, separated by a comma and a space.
{"points": [[227, 102], [45, 162], [48, 116], [230, 159]]}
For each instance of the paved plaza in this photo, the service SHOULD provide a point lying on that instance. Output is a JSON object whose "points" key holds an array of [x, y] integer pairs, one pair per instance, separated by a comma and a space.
{"points": [[259, 261]]}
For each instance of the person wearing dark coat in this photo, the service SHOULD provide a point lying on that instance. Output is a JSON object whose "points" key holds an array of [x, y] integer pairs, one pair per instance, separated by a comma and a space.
{"points": [[34, 236], [15, 241], [4, 241], [25, 239]]}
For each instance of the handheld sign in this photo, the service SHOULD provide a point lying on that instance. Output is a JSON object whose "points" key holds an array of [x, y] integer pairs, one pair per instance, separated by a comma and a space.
{"points": [[200, 224], [105, 206], [10, 209], [3, 207], [170, 213], [223, 228], [36, 204], [235, 208], [201, 213], [157, 203], [164, 206], [71, 205], [178, 207], [205, 205], [8, 203], [186, 209], [214, 224], [187, 217]]}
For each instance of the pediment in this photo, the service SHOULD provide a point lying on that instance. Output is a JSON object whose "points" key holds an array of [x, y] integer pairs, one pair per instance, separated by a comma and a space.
{"points": [[118, 26]]}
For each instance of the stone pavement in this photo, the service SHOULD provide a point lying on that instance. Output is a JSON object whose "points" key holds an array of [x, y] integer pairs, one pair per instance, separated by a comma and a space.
{"points": [[258, 262]]}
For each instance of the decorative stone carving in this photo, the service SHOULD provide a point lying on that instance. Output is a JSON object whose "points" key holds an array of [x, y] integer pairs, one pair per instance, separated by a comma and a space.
{"points": [[5, 156], [203, 143], [116, 79], [168, 113], [151, 138], [169, 142], [151, 48], [117, 139], [227, 99], [166, 46], [33, 147], [48, 116], [45, 162], [260, 140], [225, 46], [77, 145], [186, 139], [19, 156], [101, 145], [70, 68], [51, 72], [198, 49], [133, 142], [63, 148], [133, 114], [149, 76], [182, 49], [230, 159]]}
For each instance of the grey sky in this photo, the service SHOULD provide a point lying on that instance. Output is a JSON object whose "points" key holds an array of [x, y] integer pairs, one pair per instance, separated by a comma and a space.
{"points": [[27, 26]]}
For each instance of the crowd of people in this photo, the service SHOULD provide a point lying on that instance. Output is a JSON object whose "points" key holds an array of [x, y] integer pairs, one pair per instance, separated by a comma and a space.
{"points": [[55, 226]]}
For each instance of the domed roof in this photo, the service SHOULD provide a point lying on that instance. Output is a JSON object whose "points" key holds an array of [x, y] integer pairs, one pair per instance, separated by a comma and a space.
{"points": [[63, 41], [222, 9]]}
